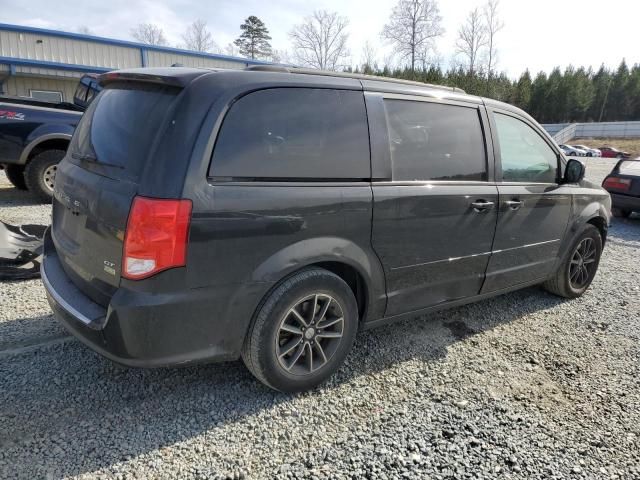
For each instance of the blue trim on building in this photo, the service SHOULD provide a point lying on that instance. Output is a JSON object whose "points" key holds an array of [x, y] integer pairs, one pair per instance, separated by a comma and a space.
{"points": [[126, 43], [13, 62]]}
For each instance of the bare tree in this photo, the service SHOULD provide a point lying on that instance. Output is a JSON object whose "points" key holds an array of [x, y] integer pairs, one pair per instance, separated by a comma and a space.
{"points": [[390, 61], [369, 57], [232, 50], [197, 37], [321, 40], [413, 27], [493, 25], [83, 29], [281, 56], [429, 58], [149, 33], [472, 37]]}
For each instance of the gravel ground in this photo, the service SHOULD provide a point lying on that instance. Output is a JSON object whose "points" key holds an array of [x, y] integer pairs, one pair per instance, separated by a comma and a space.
{"points": [[525, 385]]}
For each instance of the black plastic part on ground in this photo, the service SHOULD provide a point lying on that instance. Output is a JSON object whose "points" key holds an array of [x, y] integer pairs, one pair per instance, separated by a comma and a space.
{"points": [[20, 251]]}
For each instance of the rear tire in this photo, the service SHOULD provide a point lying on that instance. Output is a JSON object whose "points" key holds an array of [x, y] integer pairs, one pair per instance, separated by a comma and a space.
{"points": [[579, 267], [40, 173], [620, 213], [15, 174], [302, 331]]}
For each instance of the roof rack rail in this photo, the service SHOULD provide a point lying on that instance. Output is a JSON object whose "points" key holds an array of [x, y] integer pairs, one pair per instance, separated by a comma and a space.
{"points": [[358, 76]]}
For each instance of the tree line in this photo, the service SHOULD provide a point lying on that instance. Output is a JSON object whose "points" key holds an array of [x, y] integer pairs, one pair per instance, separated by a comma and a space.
{"points": [[577, 94], [573, 95]]}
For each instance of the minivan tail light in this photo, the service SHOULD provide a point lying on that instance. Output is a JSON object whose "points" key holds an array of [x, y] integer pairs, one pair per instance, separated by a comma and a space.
{"points": [[617, 183], [156, 236]]}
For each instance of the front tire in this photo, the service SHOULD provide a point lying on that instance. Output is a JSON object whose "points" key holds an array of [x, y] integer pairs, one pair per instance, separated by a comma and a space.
{"points": [[302, 331], [40, 173], [576, 272], [15, 174]]}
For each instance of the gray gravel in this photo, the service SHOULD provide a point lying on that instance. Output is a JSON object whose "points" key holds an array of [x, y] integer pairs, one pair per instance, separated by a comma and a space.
{"points": [[525, 385]]}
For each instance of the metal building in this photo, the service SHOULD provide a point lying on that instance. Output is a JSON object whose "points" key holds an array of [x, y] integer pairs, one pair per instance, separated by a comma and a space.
{"points": [[46, 64]]}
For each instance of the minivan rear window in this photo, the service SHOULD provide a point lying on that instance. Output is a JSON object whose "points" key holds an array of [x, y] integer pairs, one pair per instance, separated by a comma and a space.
{"points": [[294, 133], [630, 167], [119, 128]]}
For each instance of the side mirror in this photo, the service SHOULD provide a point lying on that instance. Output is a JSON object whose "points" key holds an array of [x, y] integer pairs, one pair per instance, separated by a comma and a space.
{"points": [[574, 171]]}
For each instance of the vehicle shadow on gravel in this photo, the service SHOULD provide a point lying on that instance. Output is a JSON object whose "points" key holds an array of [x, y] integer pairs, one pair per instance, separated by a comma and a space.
{"points": [[12, 197], [65, 411]]}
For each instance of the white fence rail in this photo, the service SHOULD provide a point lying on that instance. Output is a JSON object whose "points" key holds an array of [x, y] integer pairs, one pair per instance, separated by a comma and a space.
{"points": [[566, 134], [560, 131]]}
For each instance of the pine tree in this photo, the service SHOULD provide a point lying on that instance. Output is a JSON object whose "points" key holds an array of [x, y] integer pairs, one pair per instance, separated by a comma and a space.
{"points": [[522, 92], [601, 82], [579, 93], [254, 40], [633, 92], [618, 102], [539, 96]]}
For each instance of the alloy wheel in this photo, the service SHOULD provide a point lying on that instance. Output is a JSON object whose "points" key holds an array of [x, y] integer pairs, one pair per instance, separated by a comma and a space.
{"points": [[583, 264], [309, 334]]}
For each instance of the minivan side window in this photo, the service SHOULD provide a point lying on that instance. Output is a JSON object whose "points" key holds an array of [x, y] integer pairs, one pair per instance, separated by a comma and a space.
{"points": [[526, 157], [433, 141], [294, 133]]}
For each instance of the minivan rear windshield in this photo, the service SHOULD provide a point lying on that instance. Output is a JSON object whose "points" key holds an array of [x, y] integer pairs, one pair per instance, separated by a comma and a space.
{"points": [[630, 167], [118, 129]]}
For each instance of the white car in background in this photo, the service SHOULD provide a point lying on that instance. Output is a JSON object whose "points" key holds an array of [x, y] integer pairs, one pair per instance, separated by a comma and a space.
{"points": [[589, 152], [569, 151]]}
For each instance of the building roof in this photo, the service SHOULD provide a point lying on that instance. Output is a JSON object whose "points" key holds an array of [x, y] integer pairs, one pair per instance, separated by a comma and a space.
{"points": [[125, 43]]}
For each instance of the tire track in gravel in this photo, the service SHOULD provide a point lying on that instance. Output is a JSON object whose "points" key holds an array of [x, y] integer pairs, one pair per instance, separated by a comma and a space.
{"points": [[30, 344]]}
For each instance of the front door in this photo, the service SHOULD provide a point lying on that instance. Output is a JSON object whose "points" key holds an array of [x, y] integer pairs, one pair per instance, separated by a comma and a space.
{"points": [[534, 208], [434, 221]]}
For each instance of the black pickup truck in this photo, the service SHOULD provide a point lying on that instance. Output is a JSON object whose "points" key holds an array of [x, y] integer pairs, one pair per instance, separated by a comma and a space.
{"points": [[34, 136]]}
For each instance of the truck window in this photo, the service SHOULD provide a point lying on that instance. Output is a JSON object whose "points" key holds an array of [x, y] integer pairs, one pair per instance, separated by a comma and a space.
{"points": [[46, 95], [80, 94], [294, 133]]}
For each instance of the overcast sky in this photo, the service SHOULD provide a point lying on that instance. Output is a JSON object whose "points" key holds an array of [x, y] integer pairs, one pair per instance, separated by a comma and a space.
{"points": [[538, 35]]}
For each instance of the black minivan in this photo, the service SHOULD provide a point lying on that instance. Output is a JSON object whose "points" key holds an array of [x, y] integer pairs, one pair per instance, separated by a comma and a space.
{"points": [[271, 213]]}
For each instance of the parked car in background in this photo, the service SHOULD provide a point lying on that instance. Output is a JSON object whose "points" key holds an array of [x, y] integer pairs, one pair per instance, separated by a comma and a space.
{"points": [[569, 151], [581, 151], [272, 213], [611, 152], [589, 152], [623, 184], [34, 135]]}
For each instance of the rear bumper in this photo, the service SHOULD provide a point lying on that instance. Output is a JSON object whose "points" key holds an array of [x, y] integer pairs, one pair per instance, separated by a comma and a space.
{"points": [[142, 329], [625, 202]]}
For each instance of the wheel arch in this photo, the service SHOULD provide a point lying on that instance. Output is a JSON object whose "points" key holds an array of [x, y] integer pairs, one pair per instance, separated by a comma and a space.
{"points": [[53, 141], [360, 269], [601, 224]]}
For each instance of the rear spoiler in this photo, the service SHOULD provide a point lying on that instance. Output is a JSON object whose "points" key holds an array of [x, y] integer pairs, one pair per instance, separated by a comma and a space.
{"points": [[172, 77]]}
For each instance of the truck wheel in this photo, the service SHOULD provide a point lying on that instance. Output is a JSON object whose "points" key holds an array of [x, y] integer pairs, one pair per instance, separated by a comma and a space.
{"points": [[302, 332], [40, 173], [15, 174]]}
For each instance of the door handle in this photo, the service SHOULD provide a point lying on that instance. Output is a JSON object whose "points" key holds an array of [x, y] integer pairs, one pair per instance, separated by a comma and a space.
{"points": [[514, 204], [482, 205]]}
